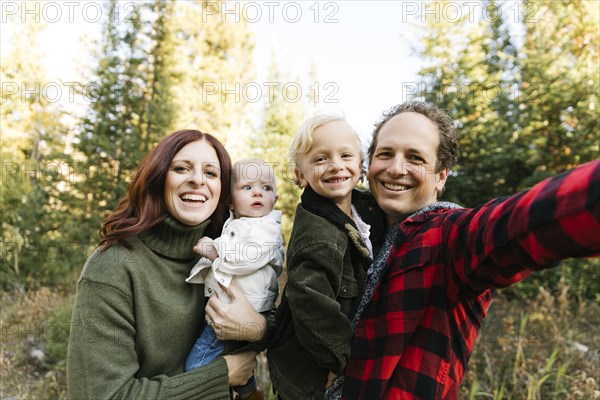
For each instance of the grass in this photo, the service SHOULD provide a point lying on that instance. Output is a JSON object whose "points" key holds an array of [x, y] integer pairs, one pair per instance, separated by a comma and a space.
{"points": [[34, 328], [545, 349], [541, 348]]}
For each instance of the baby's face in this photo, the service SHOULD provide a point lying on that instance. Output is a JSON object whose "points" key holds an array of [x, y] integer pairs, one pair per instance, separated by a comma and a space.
{"points": [[253, 191]]}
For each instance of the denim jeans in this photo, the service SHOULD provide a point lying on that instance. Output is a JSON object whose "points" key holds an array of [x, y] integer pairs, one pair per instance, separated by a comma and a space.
{"points": [[205, 350]]}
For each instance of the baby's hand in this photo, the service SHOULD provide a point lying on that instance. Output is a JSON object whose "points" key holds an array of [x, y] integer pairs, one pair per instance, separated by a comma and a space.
{"points": [[206, 248]]}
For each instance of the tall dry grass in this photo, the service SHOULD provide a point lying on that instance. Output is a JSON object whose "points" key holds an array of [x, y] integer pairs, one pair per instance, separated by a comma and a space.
{"points": [[546, 348]]}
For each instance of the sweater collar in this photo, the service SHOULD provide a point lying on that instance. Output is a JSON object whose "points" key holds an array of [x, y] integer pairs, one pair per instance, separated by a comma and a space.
{"points": [[173, 239]]}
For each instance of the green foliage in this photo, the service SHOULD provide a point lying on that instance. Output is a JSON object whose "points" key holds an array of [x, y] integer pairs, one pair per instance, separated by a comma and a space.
{"points": [[160, 111], [31, 135], [57, 334], [582, 276], [471, 75], [522, 113], [110, 144], [147, 82], [560, 88], [214, 63]]}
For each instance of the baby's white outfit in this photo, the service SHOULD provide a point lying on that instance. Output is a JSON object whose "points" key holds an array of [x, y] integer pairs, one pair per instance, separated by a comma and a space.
{"points": [[251, 253]]}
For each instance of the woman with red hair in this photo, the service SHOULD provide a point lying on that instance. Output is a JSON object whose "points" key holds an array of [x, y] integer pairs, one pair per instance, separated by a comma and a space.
{"points": [[135, 318]]}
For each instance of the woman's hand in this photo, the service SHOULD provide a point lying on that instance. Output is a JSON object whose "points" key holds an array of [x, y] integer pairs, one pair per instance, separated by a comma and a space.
{"points": [[237, 320], [241, 366]]}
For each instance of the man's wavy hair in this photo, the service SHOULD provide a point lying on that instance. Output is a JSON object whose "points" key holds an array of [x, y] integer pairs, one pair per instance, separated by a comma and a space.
{"points": [[447, 155]]}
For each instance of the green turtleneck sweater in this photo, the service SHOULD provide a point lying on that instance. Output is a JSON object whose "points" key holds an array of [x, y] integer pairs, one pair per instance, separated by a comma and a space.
{"points": [[136, 319]]}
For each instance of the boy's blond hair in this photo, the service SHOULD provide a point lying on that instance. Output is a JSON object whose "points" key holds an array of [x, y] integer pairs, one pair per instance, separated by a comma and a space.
{"points": [[302, 141]]}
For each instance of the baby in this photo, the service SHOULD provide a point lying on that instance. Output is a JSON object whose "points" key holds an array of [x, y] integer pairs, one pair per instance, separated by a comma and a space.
{"points": [[249, 252]]}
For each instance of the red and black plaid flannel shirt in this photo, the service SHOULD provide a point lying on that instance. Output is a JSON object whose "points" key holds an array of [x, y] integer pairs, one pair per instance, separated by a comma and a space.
{"points": [[416, 336]]}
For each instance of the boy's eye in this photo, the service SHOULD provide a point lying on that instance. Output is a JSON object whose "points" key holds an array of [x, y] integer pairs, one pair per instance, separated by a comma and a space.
{"points": [[246, 187], [347, 155], [319, 159], [268, 188]]}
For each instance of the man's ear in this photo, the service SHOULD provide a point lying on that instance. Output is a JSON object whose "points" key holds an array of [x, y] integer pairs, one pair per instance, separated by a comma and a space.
{"points": [[440, 181]]}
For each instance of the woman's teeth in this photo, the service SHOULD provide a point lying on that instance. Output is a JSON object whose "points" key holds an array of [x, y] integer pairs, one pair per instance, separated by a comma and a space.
{"points": [[193, 197]]}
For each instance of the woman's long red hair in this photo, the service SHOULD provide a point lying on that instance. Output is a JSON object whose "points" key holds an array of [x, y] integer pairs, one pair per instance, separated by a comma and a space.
{"points": [[144, 207]]}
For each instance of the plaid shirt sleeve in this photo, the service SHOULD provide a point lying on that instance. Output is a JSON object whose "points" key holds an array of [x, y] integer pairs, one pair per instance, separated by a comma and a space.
{"points": [[506, 239]]}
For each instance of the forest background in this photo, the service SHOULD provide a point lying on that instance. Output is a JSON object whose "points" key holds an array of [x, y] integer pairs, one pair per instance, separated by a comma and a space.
{"points": [[522, 85]]}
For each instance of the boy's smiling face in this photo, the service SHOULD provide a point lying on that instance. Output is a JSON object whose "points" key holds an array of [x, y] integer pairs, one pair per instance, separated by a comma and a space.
{"points": [[332, 166]]}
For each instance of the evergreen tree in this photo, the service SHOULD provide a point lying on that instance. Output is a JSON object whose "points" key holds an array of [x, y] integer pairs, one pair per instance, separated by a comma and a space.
{"points": [[110, 142], [215, 67], [558, 118], [160, 110], [471, 74], [31, 135], [560, 86], [132, 107]]}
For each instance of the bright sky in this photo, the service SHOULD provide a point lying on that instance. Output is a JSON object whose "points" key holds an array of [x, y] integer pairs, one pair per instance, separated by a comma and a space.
{"points": [[362, 49]]}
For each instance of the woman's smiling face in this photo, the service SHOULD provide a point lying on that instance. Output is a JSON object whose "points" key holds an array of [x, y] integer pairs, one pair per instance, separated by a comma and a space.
{"points": [[193, 185]]}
